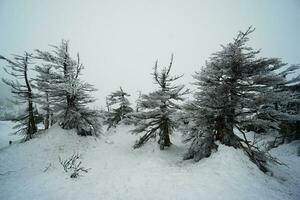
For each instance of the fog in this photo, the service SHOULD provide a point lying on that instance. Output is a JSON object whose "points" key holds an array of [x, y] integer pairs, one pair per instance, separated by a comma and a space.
{"points": [[119, 41]]}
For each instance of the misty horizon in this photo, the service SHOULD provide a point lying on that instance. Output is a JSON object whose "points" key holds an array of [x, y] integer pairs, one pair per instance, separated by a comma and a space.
{"points": [[119, 42]]}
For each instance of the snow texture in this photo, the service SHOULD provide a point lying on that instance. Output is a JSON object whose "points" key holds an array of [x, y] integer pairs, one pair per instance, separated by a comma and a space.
{"points": [[31, 170]]}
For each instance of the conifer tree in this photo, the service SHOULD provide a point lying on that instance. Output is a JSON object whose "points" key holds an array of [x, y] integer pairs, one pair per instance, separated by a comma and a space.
{"points": [[70, 94], [21, 88], [158, 108], [236, 90], [118, 107]]}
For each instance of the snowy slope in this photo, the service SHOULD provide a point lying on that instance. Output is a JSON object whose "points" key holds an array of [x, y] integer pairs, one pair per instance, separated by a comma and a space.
{"points": [[6, 130], [119, 172]]}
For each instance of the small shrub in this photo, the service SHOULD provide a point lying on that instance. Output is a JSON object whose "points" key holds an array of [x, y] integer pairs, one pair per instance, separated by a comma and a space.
{"points": [[73, 164]]}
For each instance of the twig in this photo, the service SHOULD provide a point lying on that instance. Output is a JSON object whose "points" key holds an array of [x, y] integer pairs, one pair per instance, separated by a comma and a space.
{"points": [[47, 167]]}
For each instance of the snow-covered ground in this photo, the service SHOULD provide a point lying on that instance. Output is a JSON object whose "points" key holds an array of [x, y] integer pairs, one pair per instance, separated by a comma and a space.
{"points": [[6, 134], [120, 172]]}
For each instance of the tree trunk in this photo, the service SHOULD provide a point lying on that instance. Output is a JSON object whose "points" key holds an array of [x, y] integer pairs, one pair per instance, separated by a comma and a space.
{"points": [[51, 119], [224, 130], [297, 135], [46, 122], [31, 121], [70, 100], [220, 128], [164, 136], [31, 126]]}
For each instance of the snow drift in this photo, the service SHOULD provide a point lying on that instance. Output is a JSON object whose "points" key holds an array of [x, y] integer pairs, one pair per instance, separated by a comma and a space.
{"points": [[31, 170]]}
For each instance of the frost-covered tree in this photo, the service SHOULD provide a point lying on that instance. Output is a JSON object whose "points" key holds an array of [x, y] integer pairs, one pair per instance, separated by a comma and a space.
{"points": [[43, 84], [70, 94], [118, 107], [158, 108], [236, 90], [21, 88]]}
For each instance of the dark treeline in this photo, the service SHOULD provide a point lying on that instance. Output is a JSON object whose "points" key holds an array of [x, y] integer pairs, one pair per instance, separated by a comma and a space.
{"points": [[238, 92]]}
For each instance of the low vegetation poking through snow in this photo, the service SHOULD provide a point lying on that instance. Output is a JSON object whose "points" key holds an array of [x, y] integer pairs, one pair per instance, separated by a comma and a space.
{"points": [[72, 164]]}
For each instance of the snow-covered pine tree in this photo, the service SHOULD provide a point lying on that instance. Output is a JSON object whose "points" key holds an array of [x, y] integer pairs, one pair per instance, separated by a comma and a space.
{"points": [[158, 108], [21, 88], [235, 90], [43, 84], [70, 94], [118, 107]]}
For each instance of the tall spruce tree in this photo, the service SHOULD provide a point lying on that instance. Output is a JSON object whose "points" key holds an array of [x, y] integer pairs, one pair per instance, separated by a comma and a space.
{"points": [[158, 108], [70, 94], [118, 107], [236, 89], [21, 88]]}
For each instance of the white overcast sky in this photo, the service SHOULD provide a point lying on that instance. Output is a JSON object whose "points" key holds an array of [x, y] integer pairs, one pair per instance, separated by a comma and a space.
{"points": [[119, 41]]}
